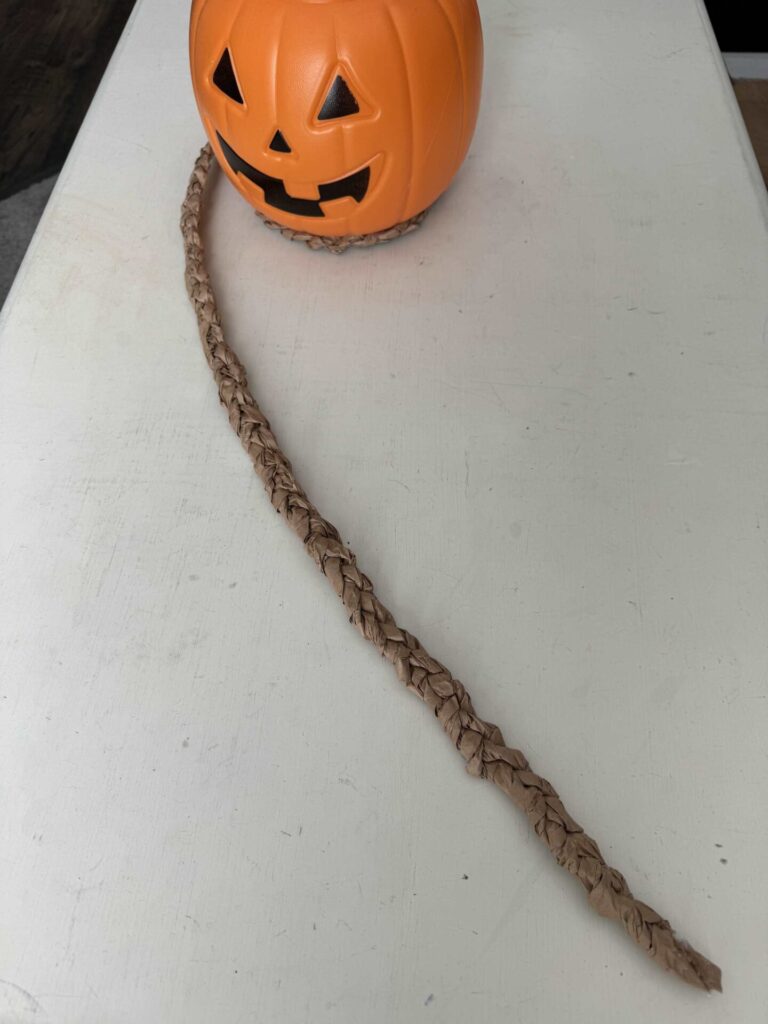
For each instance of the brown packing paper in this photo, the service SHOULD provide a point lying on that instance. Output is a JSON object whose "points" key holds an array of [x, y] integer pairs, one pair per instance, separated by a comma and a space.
{"points": [[480, 743]]}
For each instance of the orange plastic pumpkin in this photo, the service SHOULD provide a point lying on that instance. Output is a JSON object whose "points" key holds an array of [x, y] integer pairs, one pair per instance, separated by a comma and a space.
{"points": [[338, 116]]}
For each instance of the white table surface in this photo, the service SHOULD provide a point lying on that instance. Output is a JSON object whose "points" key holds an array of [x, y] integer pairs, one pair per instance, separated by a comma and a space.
{"points": [[541, 422]]}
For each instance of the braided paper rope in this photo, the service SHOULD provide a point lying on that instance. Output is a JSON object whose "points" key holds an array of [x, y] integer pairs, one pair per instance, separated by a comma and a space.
{"points": [[480, 743], [338, 245]]}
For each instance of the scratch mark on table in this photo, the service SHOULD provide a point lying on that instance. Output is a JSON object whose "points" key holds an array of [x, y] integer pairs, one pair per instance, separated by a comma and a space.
{"points": [[32, 1004]]}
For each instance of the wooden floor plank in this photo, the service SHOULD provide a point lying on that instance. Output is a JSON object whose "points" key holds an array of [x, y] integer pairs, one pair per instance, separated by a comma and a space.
{"points": [[752, 95], [52, 57]]}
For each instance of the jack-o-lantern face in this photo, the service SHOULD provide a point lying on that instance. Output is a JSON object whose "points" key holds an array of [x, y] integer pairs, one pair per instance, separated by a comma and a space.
{"points": [[338, 116]]}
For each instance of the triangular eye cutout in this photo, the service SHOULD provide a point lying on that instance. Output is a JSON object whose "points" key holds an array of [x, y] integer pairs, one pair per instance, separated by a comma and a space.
{"points": [[278, 143], [224, 78], [339, 102]]}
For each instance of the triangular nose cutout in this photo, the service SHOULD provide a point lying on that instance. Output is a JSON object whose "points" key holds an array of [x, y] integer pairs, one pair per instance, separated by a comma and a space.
{"points": [[278, 143]]}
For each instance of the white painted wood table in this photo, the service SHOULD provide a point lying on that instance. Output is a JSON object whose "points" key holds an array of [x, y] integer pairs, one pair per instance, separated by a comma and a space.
{"points": [[541, 422]]}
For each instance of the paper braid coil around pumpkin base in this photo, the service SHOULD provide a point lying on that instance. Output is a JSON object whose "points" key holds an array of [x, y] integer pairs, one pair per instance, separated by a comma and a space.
{"points": [[480, 743], [339, 244]]}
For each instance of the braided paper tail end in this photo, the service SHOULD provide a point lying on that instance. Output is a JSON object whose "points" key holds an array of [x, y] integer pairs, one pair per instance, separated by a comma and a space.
{"points": [[480, 743], [656, 936], [695, 968]]}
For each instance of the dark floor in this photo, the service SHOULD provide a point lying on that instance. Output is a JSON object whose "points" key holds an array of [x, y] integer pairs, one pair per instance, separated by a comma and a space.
{"points": [[52, 56], [752, 95]]}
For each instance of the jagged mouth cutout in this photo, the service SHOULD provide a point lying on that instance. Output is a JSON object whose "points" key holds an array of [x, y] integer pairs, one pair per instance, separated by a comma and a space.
{"points": [[354, 185]]}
